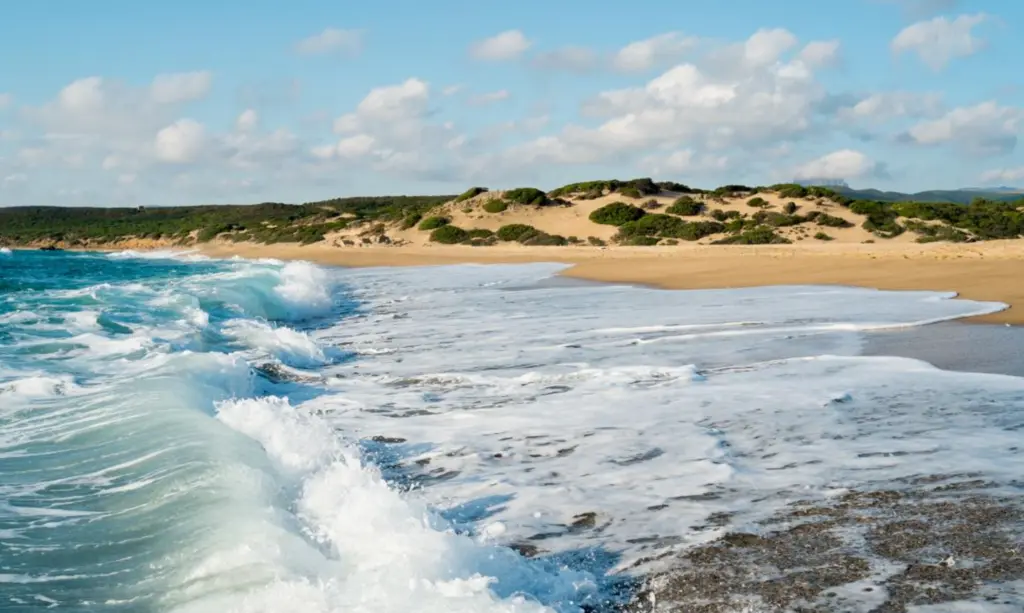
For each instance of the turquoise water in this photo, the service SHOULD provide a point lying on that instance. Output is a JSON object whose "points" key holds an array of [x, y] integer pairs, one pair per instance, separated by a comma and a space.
{"points": [[115, 480]]}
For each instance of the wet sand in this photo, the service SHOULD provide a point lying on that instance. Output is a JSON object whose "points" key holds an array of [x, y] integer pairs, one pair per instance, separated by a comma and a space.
{"points": [[978, 271]]}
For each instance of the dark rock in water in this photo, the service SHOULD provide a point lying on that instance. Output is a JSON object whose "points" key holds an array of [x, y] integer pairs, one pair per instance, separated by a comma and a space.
{"points": [[391, 440], [584, 521], [823, 545], [50, 248], [525, 549], [276, 373]]}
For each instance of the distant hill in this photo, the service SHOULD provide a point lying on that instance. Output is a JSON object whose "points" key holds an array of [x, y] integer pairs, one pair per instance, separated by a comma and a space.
{"points": [[959, 196]]}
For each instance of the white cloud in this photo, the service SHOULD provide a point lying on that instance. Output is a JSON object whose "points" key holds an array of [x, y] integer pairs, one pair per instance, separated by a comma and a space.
{"points": [[247, 120], [6, 100], [331, 40], [356, 146], [842, 164], [15, 178], [682, 162], [569, 59], [181, 142], [885, 106], [508, 45], [1004, 175], [985, 129], [490, 97], [451, 90], [742, 95], [643, 55], [766, 46], [820, 53], [396, 101], [940, 40], [181, 87]]}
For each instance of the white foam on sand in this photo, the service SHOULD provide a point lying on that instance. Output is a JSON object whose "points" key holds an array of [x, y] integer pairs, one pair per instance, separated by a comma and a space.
{"points": [[524, 411]]}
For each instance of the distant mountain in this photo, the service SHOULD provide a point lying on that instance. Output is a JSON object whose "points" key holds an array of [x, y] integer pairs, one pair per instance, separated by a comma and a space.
{"points": [[960, 196]]}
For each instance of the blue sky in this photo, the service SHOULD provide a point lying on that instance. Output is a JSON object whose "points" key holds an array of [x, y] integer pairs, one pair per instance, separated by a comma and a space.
{"points": [[120, 103]]}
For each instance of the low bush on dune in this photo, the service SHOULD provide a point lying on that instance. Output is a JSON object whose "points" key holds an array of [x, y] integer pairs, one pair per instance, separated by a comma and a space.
{"points": [[433, 223], [480, 233], [471, 193], [616, 214], [410, 221], [831, 221], [641, 241], [516, 233], [449, 235], [588, 190], [526, 195], [759, 235], [667, 226], [495, 206], [821, 236], [758, 202], [685, 206], [720, 215], [543, 239], [596, 242], [790, 208]]}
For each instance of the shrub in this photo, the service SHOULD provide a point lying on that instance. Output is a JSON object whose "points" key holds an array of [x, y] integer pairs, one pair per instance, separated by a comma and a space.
{"points": [[471, 193], [480, 233], [433, 223], [449, 235], [671, 242], [526, 195], [574, 240], [516, 232], [616, 214], [547, 240], [686, 206], [597, 242], [821, 236], [776, 219], [720, 215], [790, 208], [758, 202], [728, 190], [831, 221], [790, 190], [759, 235], [495, 206], [640, 241], [651, 205], [672, 186]]}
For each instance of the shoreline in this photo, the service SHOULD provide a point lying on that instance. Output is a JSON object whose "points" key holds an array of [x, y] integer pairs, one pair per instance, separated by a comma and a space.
{"points": [[983, 272]]}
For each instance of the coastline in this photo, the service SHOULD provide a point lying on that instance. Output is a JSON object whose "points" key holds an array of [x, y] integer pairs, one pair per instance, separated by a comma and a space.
{"points": [[975, 271]]}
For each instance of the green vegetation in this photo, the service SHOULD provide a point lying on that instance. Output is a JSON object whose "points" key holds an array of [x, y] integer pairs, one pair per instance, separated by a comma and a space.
{"points": [[596, 242], [495, 206], [679, 188], [881, 218], [821, 236], [616, 214], [588, 190], [790, 208], [831, 221], [526, 195], [480, 233], [758, 202], [264, 223], [732, 190], [758, 235], [411, 220], [640, 241], [471, 193], [720, 215], [776, 219], [516, 233], [449, 235], [666, 226], [685, 206], [435, 222]]}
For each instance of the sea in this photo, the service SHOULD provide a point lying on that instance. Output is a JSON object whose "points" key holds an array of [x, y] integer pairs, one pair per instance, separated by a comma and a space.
{"points": [[186, 434]]}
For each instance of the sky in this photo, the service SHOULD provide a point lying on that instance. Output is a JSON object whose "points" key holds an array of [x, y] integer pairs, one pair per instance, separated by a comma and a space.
{"points": [[123, 103]]}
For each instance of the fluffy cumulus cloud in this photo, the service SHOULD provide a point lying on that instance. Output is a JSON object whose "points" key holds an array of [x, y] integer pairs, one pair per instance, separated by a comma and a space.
{"points": [[508, 45], [331, 40], [181, 142], [844, 164], [985, 129], [391, 130], [757, 92], [643, 55], [940, 40]]}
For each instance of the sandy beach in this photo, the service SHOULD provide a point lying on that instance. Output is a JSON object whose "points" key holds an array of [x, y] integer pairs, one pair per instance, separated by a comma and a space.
{"points": [[988, 271]]}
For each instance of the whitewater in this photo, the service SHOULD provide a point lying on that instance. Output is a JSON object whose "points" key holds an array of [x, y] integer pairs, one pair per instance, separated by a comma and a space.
{"points": [[184, 434]]}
